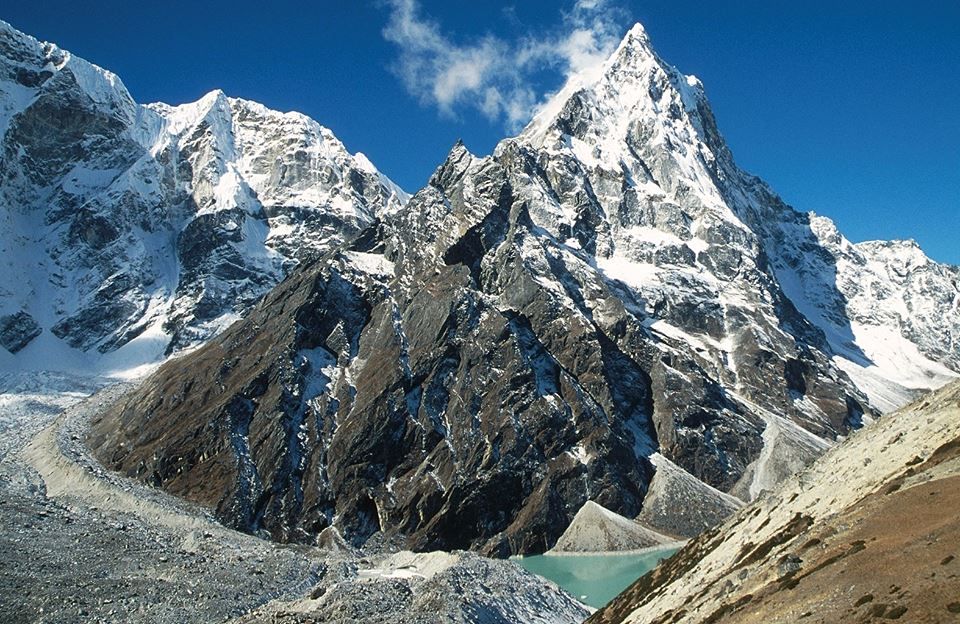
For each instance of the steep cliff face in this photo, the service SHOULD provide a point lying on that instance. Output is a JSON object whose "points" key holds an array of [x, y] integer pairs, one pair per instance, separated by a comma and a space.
{"points": [[120, 221], [605, 302]]}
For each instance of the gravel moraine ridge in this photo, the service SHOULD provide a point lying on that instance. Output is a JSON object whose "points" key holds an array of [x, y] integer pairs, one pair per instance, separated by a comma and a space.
{"points": [[81, 544]]}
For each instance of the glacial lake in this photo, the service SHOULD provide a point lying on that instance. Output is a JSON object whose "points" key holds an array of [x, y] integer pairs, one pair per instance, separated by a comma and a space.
{"points": [[594, 579]]}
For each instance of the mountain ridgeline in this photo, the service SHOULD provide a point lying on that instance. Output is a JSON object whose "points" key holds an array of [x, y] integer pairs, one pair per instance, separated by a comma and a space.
{"points": [[605, 309]]}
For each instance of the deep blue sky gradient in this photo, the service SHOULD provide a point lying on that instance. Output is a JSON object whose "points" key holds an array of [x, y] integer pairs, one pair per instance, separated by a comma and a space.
{"points": [[852, 111]]}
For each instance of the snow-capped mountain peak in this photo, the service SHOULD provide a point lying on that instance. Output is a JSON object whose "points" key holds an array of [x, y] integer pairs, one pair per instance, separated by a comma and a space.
{"points": [[632, 84], [154, 224], [638, 118], [642, 138]]}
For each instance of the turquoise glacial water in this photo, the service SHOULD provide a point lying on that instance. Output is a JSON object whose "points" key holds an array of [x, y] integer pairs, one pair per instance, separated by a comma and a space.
{"points": [[594, 579]]}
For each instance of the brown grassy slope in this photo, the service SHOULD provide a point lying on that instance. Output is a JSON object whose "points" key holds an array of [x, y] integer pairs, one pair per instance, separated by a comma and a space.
{"points": [[888, 550]]}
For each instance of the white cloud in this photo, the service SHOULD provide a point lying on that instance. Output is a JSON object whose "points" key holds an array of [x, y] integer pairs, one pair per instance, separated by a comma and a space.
{"points": [[490, 74]]}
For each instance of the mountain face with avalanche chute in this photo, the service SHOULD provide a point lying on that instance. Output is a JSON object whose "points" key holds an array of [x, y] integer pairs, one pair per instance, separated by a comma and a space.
{"points": [[605, 309], [132, 231]]}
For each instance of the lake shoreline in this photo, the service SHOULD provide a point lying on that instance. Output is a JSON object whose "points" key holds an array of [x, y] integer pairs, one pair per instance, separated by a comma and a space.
{"points": [[613, 553]]}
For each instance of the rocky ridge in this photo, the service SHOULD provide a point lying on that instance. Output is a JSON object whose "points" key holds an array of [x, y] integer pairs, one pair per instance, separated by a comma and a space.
{"points": [[539, 328]]}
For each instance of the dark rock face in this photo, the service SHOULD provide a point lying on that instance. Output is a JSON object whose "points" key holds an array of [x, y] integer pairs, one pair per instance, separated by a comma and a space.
{"points": [[520, 338], [430, 414], [455, 378], [17, 330]]}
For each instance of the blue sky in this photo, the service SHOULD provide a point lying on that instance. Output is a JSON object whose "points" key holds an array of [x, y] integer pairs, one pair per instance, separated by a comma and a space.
{"points": [[852, 111]]}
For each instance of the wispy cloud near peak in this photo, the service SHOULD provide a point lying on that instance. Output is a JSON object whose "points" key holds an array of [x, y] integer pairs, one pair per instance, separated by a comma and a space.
{"points": [[491, 74]]}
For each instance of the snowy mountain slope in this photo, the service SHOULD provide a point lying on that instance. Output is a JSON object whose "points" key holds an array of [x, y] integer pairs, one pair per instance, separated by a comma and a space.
{"points": [[147, 229], [662, 189]]}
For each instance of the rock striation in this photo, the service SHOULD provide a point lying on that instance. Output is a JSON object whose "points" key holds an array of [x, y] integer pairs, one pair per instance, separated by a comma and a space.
{"points": [[17, 330]]}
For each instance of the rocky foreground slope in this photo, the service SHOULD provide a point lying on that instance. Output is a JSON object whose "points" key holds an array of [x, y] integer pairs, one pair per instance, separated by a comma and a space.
{"points": [[606, 309], [868, 533], [147, 229]]}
